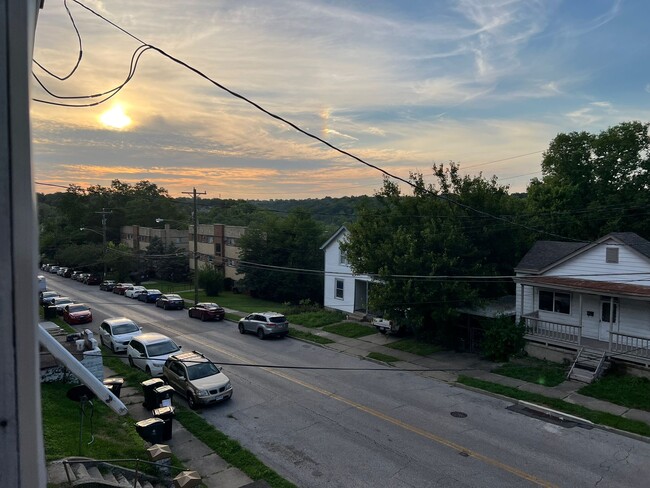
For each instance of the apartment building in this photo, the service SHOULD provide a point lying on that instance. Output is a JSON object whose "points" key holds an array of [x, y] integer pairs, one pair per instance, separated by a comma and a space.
{"points": [[217, 245], [138, 238]]}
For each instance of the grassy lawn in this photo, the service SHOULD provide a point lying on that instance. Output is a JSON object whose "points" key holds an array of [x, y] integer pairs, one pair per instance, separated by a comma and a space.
{"points": [[536, 371], [415, 347], [594, 416], [308, 336], [626, 390], [168, 286], [382, 357], [236, 301], [316, 319], [350, 329]]}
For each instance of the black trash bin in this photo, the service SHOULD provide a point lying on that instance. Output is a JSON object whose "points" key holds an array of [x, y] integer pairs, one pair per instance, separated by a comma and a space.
{"points": [[166, 414], [115, 385], [49, 312], [163, 396], [151, 430], [148, 388]]}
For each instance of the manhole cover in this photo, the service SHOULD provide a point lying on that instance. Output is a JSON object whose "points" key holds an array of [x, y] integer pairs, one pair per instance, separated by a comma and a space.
{"points": [[459, 415]]}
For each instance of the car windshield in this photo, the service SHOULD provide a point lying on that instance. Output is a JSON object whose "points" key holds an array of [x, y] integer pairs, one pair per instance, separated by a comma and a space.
{"points": [[173, 297], [162, 348], [125, 329], [77, 308], [201, 370], [210, 306], [277, 320]]}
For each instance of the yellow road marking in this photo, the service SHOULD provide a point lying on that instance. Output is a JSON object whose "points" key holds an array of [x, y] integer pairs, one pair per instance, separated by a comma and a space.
{"points": [[375, 413]]}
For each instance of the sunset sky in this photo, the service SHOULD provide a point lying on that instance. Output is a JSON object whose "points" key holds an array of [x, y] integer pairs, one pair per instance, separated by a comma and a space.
{"points": [[402, 84]]}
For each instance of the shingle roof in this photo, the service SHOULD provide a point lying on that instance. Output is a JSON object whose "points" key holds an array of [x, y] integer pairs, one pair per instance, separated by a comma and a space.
{"points": [[545, 253], [634, 241]]}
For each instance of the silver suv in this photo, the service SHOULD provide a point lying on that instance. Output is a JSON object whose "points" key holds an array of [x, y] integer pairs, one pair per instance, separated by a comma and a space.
{"points": [[197, 378], [264, 324]]}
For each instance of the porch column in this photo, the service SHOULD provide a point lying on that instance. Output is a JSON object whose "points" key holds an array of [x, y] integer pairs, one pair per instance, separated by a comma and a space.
{"points": [[580, 320], [521, 300], [611, 320]]}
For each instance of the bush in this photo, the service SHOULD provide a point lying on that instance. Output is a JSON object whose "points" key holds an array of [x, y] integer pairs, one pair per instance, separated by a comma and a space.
{"points": [[502, 339], [303, 306], [211, 280]]}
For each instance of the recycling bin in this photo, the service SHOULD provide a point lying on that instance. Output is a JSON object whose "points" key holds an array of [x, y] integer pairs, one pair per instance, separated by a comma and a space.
{"points": [[163, 396], [148, 388], [151, 430], [49, 312], [166, 414], [115, 385]]}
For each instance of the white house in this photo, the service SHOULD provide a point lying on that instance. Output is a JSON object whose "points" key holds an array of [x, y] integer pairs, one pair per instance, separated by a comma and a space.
{"points": [[344, 290], [575, 293]]}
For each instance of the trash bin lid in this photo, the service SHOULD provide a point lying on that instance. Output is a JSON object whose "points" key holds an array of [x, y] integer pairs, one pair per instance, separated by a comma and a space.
{"points": [[113, 381], [152, 382], [163, 412], [163, 389], [149, 422]]}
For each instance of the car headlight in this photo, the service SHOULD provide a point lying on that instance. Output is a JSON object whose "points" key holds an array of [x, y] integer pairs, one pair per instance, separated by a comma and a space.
{"points": [[157, 364], [202, 393], [228, 386]]}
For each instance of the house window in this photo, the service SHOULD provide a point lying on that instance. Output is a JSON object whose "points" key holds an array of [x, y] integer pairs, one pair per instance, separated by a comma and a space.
{"points": [[557, 302], [339, 289], [343, 259], [611, 255], [217, 249]]}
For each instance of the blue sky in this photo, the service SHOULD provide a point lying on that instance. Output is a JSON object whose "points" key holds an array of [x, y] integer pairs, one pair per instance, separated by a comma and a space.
{"points": [[402, 84]]}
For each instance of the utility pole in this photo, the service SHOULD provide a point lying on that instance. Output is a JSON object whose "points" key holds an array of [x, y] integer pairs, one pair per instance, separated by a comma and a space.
{"points": [[194, 193], [104, 213]]}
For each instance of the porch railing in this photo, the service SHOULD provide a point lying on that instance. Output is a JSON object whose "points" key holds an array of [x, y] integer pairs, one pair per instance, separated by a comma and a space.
{"points": [[553, 331], [630, 345]]}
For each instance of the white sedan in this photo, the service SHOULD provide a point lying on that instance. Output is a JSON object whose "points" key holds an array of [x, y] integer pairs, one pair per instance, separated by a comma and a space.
{"points": [[134, 291]]}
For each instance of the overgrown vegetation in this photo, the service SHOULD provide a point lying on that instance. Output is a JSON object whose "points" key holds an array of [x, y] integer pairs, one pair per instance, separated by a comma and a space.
{"points": [[616, 387], [211, 281], [534, 370], [502, 338], [594, 416], [315, 319]]}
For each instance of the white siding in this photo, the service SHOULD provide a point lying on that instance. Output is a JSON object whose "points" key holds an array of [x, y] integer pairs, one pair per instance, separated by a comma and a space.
{"points": [[591, 265]]}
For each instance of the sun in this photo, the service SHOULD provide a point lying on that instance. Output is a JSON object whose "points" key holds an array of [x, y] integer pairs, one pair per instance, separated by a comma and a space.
{"points": [[115, 118]]}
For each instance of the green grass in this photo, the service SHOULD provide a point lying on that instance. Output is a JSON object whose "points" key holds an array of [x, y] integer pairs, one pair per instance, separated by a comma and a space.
{"points": [[231, 451], [382, 357], [308, 336], [626, 390], [415, 347], [350, 329], [316, 319], [601, 418], [168, 286], [536, 371]]}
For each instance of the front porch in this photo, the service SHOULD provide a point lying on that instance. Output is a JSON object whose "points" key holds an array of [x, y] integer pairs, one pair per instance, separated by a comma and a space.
{"points": [[621, 347]]}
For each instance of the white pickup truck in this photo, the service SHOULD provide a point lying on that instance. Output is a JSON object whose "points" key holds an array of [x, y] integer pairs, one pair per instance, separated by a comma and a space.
{"points": [[385, 326]]}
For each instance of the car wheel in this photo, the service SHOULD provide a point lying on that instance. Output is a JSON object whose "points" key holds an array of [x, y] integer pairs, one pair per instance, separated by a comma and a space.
{"points": [[189, 314], [260, 333], [191, 401], [164, 306], [111, 346], [203, 319], [131, 363], [241, 328], [148, 371]]}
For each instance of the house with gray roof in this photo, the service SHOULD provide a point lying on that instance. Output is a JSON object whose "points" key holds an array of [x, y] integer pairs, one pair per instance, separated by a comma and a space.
{"points": [[597, 294]]}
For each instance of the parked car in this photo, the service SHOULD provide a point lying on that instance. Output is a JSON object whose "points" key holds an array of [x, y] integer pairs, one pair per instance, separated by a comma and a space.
{"points": [[134, 291], [206, 311], [116, 333], [264, 324], [54, 269], [77, 313], [150, 351], [46, 297], [150, 296], [196, 378], [170, 301], [59, 303], [81, 277], [75, 275], [68, 272], [120, 288], [107, 285], [61, 271], [92, 279]]}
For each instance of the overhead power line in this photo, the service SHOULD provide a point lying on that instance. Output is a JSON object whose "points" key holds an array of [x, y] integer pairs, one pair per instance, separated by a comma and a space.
{"points": [[303, 131]]}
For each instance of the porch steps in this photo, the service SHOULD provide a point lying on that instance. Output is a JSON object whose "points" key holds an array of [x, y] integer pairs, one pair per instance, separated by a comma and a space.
{"points": [[89, 473], [588, 365]]}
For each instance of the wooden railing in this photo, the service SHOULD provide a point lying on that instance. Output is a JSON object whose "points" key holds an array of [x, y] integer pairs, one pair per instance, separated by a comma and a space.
{"points": [[630, 345], [553, 331]]}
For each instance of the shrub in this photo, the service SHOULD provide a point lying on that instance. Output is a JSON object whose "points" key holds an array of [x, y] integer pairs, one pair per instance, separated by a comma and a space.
{"points": [[211, 280], [503, 338]]}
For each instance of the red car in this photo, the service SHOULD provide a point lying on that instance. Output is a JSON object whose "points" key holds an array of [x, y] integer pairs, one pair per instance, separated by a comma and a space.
{"points": [[120, 288], [77, 313], [207, 311]]}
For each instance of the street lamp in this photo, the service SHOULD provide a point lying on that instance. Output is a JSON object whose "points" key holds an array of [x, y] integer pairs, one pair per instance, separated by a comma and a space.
{"points": [[103, 234]]}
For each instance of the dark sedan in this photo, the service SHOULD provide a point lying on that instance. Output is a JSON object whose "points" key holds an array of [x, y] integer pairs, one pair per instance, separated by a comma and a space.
{"points": [[151, 296], [107, 285], [120, 288], [170, 301], [207, 311]]}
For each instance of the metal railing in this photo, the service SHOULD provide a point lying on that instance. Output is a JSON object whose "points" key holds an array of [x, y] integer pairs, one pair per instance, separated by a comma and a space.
{"points": [[552, 330]]}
